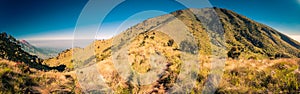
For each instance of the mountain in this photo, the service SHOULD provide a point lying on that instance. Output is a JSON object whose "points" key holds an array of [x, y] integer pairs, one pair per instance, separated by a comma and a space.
{"points": [[43, 53], [11, 50], [251, 45], [256, 38], [245, 37], [242, 38]]}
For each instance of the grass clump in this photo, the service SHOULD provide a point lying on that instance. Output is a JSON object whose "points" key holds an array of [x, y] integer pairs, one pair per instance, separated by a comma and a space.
{"points": [[277, 77]]}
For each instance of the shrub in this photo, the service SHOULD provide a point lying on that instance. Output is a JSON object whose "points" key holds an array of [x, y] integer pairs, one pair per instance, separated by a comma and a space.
{"points": [[235, 52]]}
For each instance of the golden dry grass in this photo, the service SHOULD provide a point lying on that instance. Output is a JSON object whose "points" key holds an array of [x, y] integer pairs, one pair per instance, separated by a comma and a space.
{"points": [[19, 78]]}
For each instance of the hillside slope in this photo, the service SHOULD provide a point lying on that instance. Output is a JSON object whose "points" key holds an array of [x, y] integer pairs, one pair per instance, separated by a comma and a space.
{"points": [[256, 38], [11, 50], [243, 35], [244, 39]]}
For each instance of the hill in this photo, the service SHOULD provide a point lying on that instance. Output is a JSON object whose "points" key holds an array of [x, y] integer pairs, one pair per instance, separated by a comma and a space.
{"points": [[249, 47]]}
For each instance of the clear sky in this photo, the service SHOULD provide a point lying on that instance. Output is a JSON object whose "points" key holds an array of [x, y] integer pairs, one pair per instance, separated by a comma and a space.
{"points": [[56, 19]]}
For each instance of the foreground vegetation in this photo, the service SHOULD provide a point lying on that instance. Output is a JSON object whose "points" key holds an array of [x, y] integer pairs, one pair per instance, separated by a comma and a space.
{"points": [[260, 76], [18, 78], [240, 75]]}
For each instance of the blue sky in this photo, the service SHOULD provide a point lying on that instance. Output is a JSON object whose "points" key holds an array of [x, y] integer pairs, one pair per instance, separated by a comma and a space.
{"points": [[56, 19]]}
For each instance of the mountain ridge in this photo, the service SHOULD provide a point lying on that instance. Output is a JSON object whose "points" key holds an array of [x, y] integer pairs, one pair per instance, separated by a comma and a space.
{"points": [[240, 31], [11, 49], [270, 37], [245, 39], [239, 43]]}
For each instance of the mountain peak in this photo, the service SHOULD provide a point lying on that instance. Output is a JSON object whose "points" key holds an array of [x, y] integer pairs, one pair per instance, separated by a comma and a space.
{"points": [[253, 38]]}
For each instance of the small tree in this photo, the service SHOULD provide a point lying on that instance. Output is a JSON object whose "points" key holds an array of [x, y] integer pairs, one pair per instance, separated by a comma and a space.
{"points": [[170, 42], [234, 52]]}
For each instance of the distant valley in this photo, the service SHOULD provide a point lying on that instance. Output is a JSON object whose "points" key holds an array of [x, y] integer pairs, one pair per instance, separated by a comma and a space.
{"points": [[41, 52]]}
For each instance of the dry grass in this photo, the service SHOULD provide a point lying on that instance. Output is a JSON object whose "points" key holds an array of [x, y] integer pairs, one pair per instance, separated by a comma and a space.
{"points": [[260, 76], [239, 76], [19, 78], [64, 57]]}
